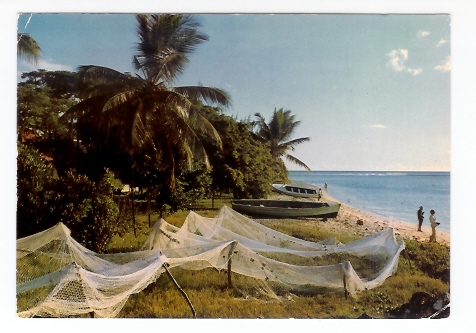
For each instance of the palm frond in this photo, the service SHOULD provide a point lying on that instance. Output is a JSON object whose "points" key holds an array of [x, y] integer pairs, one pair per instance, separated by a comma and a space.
{"points": [[164, 42], [120, 98], [200, 124], [207, 94], [98, 80], [297, 162], [292, 143], [172, 101], [28, 48]]}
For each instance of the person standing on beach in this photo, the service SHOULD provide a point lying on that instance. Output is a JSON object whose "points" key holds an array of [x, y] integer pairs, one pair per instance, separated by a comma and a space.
{"points": [[433, 225], [319, 194], [420, 217]]}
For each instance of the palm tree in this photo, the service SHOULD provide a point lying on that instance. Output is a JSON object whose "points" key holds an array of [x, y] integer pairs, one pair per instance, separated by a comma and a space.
{"points": [[28, 48], [150, 114], [144, 113], [277, 133]]}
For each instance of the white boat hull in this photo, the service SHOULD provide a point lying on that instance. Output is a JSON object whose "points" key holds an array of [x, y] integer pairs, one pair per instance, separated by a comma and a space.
{"points": [[296, 191]]}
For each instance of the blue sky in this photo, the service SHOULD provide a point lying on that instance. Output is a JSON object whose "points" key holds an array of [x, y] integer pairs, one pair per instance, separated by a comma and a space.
{"points": [[371, 91]]}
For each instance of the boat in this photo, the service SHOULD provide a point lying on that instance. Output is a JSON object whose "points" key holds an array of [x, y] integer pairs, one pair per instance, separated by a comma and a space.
{"points": [[300, 191], [285, 208]]}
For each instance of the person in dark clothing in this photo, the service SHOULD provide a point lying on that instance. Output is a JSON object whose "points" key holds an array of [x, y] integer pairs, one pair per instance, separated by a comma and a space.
{"points": [[420, 217]]}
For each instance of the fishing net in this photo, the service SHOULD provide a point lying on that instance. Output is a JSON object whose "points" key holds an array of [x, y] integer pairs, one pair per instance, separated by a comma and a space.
{"points": [[58, 277], [285, 262]]}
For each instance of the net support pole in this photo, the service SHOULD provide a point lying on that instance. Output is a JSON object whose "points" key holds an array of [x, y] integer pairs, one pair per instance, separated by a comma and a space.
{"points": [[229, 274], [405, 253], [344, 278], [181, 290], [346, 292]]}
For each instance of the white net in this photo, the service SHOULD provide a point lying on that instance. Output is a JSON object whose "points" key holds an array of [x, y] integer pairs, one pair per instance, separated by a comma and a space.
{"points": [[58, 277], [284, 261]]}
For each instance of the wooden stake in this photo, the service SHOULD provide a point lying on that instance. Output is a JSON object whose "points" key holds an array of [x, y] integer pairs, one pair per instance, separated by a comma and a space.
{"points": [[181, 290], [407, 257], [346, 292], [229, 274]]}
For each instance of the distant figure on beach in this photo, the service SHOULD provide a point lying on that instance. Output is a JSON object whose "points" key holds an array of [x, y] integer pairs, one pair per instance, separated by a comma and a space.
{"points": [[325, 186], [319, 194], [420, 217], [433, 225]]}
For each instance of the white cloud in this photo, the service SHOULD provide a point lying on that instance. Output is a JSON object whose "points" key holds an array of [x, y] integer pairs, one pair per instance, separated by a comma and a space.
{"points": [[423, 34], [24, 66], [398, 59], [45, 64], [378, 126], [446, 66], [441, 42], [415, 71]]}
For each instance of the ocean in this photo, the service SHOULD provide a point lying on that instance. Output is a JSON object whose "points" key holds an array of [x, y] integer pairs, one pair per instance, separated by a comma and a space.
{"points": [[394, 195]]}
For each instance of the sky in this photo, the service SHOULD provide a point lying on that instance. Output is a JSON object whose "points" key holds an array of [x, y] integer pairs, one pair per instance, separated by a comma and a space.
{"points": [[371, 91]]}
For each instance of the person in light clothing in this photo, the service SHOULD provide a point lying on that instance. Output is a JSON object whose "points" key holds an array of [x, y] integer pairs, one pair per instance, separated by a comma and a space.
{"points": [[433, 225]]}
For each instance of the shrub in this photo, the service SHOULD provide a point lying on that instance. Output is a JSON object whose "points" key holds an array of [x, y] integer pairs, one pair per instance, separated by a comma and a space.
{"points": [[85, 207]]}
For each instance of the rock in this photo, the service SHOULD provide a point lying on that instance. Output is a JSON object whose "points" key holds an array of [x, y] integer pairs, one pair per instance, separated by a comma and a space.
{"points": [[360, 222]]}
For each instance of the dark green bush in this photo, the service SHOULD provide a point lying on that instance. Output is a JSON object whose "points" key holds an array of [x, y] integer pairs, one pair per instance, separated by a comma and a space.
{"points": [[85, 207]]}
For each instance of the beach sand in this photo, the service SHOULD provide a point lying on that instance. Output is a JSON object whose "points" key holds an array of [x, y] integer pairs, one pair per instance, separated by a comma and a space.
{"points": [[346, 222]]}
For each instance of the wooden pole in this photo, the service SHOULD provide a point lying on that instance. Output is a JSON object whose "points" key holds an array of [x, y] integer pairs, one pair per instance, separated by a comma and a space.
{"points": [[407, 257], [229, 274], [181, 290], [346, 292]]}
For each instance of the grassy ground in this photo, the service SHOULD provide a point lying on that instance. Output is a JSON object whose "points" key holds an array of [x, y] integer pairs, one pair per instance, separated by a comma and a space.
{"points": [[423, 270]]}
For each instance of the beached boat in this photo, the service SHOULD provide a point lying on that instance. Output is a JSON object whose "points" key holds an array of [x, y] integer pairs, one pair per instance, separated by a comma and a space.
{"points": [[285, 208], [300, 191]]}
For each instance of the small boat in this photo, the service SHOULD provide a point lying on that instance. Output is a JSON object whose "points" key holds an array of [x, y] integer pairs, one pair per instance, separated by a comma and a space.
{"points": [[285, 208], [300, 191]]}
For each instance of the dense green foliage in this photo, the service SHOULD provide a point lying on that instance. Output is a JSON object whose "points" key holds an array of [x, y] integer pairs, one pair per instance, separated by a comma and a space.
{"points": [[244, 166], [85, 207]]}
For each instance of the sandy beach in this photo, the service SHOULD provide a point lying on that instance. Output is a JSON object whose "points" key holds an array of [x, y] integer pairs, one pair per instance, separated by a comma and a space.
{"points": [[346, 222]]}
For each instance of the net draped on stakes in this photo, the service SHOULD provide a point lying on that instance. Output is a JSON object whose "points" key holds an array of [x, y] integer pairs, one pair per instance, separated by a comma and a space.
{"points": [[58, 277]]}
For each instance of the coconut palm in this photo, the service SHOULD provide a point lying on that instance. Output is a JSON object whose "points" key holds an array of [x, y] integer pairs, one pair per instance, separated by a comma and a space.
{"points": [[28, 48], [144, 111], [143, 114], [278, 133]]}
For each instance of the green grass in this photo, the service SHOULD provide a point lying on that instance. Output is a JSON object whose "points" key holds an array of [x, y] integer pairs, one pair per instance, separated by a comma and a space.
{"points": [[211, 299]]}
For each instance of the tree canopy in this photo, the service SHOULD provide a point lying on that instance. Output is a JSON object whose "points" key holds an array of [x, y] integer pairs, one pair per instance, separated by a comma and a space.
{"points": [[144, 113]]}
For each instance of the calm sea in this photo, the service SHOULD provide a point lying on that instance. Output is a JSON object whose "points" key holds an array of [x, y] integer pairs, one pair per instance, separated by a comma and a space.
{"points": [[395, 195]]}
